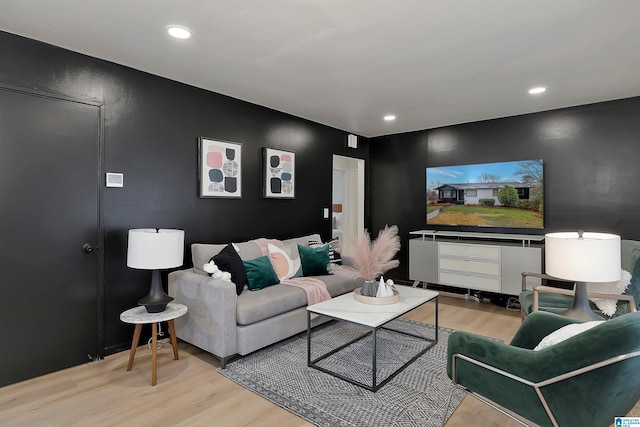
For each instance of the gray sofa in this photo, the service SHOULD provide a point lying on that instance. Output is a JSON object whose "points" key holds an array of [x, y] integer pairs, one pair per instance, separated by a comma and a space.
{"points": [[226, 324]]}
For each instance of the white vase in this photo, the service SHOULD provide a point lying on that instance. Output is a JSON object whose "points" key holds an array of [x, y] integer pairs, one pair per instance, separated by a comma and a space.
{"points": [[382, 289]]}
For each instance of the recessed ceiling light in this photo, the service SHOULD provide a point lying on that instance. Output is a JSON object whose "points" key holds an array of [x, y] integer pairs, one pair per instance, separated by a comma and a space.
{"points": [[179, 32], [537, 90], [389, 118]]}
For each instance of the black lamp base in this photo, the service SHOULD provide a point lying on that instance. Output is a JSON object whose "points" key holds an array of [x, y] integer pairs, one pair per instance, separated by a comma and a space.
{"points": [[156, 301]]}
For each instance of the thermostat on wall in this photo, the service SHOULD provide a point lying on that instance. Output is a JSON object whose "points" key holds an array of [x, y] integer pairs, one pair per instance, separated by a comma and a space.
{"points": [[115, 179]]}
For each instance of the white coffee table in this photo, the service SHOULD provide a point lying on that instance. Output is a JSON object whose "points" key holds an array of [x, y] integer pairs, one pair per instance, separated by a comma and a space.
{"points": [[373, 317]]}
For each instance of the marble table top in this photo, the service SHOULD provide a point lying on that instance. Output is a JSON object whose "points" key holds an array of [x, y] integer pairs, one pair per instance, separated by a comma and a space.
{"points": [[345, 307], [140, 315]]}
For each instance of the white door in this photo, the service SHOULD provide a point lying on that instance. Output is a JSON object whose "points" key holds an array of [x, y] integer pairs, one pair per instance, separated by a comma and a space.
{"points": [[348, 197]]}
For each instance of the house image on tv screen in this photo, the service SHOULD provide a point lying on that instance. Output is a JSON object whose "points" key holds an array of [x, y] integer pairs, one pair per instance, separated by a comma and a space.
{"points": [[502, 194], [472, 193]]}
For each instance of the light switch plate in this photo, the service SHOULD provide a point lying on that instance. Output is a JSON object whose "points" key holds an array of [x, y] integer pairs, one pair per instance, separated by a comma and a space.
{"points": [[115, 179], [326, 212]]}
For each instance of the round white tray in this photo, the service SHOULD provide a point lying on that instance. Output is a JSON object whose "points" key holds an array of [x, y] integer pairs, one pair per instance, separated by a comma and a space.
{"points": [[376, 300]]}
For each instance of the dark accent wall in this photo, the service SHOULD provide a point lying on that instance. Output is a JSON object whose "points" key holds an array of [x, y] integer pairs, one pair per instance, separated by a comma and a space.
{"points": [[591, 158], [151, 126]]}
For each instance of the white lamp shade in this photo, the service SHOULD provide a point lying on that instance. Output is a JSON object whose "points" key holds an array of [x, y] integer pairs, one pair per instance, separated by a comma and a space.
{"points": [[152, 250], [593, 258]]}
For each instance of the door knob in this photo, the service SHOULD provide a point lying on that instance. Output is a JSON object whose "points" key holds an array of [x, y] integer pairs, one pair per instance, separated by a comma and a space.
{"points": [[87, 248]]}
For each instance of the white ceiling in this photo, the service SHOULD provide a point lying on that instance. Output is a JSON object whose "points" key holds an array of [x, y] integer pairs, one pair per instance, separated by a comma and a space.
{"points": [[346, 63]]}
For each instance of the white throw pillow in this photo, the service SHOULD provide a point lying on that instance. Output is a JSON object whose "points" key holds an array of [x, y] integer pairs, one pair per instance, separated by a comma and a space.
{"points": [[566, 332], [608, 306]]}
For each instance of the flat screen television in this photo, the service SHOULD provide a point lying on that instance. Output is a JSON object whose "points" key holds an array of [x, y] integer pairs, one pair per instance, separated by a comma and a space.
{"points": [[503, 194]]}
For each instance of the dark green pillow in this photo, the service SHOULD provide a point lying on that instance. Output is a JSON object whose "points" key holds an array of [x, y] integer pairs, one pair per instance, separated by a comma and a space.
{"points": [[314, 260], [260, 273]]}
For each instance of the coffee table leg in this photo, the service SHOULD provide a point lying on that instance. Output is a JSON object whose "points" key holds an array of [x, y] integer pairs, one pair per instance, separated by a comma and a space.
{"points": [[134, 345], [436, 317], [308, 338], [374, 364], [174, 339], [154, 351]]}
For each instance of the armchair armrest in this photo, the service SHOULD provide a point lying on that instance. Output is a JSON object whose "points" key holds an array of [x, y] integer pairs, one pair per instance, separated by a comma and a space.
{"points": [[541, 288], [210, 322], [544, 277]]}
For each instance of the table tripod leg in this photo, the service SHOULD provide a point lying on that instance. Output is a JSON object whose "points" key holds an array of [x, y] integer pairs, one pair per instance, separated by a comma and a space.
{"points": [[134, 345], [154, 351], [174, 339]]}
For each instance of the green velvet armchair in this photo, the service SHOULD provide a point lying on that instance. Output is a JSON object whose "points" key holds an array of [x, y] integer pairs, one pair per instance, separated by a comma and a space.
{"points": [[552, 296], [585, 380]]}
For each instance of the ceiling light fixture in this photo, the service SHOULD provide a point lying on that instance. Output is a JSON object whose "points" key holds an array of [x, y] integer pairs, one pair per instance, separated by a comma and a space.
{"points": [[389, 118], [179, 32], [537, 90]]}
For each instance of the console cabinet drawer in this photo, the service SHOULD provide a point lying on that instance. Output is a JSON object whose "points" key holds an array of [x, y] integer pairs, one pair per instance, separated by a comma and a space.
{"points": [[462, 250], [470, 266], [470, 281]]}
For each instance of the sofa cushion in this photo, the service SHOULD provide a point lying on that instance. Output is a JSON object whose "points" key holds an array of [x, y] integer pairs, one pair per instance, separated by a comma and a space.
{"points": [[260, 273], [278, 299], [201, 254], [229, 260], [341, 281], [304, 240], [259, 305], [314, 260]]}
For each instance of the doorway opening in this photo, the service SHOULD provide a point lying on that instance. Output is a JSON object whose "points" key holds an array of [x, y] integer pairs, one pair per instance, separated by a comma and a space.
{"points": [[347, 217]]}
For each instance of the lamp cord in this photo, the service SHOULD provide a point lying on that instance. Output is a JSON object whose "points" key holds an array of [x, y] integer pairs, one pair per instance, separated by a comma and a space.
{"points": [[160, 342]]}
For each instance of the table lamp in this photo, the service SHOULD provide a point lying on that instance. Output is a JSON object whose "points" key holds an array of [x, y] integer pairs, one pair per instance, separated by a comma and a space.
{"points": [[155, 249], [582, 257]]}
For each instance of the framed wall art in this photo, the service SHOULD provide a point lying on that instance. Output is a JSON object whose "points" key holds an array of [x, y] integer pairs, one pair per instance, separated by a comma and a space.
{"points": [[220, 168], [279, 176]]}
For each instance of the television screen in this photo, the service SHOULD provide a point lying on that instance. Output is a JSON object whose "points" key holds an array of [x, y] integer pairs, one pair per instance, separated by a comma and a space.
{"points": [[504, 194]]}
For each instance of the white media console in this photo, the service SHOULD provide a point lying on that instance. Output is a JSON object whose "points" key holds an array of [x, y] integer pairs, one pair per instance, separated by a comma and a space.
{"points": [[481, 261]]}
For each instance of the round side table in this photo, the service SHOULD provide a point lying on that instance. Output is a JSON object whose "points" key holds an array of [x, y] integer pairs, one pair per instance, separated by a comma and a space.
{"points": [[139, 316]]}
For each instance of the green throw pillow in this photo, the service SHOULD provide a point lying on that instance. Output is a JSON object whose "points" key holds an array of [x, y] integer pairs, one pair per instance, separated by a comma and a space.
{"points": [[260, 273], [314, 260]]}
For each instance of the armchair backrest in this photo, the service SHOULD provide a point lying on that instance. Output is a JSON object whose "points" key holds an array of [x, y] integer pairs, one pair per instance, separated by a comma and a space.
{"points": [[594, 397], [587, 379], [629, 254]]}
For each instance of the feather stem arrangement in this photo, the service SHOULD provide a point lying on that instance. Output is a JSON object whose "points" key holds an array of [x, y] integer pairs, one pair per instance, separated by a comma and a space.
{"points": [[374, 258]]}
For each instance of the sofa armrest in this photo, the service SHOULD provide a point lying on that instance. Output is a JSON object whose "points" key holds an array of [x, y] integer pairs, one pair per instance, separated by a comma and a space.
{"points": [[210, 322]]}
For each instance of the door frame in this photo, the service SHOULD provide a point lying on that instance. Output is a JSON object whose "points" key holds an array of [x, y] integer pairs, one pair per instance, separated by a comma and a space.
{"points": [[353, 192], [99, 104]]}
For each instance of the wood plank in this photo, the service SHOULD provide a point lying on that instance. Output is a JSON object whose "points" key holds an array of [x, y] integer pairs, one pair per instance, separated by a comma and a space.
{"points": [[191, 393]]}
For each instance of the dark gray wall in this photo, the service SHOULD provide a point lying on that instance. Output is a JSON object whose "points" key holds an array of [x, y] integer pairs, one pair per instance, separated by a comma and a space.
{"points": [[591, 157], [151, 128]]}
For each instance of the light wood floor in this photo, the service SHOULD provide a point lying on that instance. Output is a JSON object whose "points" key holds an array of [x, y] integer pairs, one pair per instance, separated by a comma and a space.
{"points": [[191, 393]]}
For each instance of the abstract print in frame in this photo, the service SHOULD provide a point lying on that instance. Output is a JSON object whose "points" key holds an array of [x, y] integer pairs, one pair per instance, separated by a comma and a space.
{"points": [[220, 165], [279, 174]]}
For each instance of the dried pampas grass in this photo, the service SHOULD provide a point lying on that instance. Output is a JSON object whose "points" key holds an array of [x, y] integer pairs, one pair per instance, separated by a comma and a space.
{"points": [[374, 258]]}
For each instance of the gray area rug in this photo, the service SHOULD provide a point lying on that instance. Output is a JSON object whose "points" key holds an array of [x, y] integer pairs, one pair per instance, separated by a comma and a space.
{"points": [[415, 397]]}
